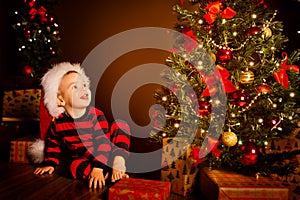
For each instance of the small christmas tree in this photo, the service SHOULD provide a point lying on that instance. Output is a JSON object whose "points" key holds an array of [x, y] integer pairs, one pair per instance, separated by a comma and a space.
{"points": [[245, 86], [37, 36]]}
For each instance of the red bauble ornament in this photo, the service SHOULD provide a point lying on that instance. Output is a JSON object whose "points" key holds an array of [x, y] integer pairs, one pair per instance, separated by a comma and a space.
{"points": [[27, 70], [263, 89], [204, 108], [250, 153], [224, 55], [240, 98], [251, 31]]}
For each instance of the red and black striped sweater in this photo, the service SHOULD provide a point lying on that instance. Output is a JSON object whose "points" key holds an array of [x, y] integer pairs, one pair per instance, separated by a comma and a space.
{"points": [[88, 136]]}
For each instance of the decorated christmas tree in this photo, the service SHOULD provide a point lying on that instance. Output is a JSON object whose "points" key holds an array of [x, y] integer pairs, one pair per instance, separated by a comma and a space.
{"points": [[245, 86], [37, 35]]}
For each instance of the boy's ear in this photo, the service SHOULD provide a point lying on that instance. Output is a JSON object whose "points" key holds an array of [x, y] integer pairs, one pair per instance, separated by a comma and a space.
{"points": [[60, 101]]}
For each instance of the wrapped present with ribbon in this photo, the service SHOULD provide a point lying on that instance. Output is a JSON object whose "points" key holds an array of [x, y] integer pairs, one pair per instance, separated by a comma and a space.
{"points": [[224, 184], [18, 149], [139, 189], [180, 165], [21, 105]]}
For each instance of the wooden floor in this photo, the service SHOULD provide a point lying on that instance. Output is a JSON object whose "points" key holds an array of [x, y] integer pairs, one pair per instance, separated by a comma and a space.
{"points": [[17, 181]]}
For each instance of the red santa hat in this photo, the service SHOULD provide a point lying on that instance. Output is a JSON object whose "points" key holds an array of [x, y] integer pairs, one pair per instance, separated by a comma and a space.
{"points": [[50, 83]]}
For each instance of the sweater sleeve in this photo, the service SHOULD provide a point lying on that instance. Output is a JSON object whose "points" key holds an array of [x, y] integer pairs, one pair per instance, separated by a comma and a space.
{"points": [[120, 137], [52, 147], [102, 145]]}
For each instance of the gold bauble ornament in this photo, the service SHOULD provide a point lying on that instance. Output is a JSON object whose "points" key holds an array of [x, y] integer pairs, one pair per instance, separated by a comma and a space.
{"points": [[246, 77], [267, 33], [213, 57], [229, 139]]}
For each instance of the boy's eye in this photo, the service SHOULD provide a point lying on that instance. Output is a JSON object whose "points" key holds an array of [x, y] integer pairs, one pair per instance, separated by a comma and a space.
{"points": [[75, 86]]}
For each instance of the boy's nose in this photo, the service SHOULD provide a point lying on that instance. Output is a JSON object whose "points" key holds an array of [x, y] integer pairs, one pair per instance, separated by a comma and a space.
{"points": [[84, 88]]}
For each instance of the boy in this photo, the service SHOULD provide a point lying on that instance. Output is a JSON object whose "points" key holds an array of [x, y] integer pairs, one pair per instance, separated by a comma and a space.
{"points": [[79, 130]]}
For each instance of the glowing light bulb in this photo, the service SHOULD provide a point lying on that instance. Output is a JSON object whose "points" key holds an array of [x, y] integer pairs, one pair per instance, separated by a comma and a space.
{"points": [[253, 16], [292, 94]]}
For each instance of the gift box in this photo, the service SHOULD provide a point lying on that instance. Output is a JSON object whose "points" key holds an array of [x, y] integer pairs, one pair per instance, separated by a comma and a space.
{"points": [[228, 185], [139, 189], [178, 166], [18, 150], [289, 143], [21, 105]]}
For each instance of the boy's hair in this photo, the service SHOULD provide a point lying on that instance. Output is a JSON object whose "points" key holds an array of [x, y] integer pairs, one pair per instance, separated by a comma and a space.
{"points": [[51, 81]]}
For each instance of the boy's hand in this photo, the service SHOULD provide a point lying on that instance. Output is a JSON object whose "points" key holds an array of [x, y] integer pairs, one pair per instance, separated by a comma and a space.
{"points": [[43, 170], [119, 169], [117, 175], [97, 178]]}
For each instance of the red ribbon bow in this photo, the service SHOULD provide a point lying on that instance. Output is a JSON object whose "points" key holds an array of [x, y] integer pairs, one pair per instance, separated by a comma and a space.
{"points": [[220, 74], [212, 144], [214, 8], [198, 154], [281, 75], [190, 44], [261, 2], [30, 3], [40, 12]]}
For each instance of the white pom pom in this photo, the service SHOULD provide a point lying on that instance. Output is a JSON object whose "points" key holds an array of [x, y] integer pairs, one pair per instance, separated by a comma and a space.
{"points": [[36, 151]]}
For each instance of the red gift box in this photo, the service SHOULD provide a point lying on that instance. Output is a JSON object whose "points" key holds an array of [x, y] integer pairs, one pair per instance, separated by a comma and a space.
{"points": [[139, 189], [228, 185], [18, 150]]}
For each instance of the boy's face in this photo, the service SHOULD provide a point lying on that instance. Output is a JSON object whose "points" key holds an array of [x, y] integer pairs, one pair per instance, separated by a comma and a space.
{"points": [[74, 93]]}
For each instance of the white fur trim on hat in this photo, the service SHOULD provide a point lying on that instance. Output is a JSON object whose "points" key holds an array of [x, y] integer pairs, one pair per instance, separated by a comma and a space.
{"points": [[51, 81], [36, 151]]}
